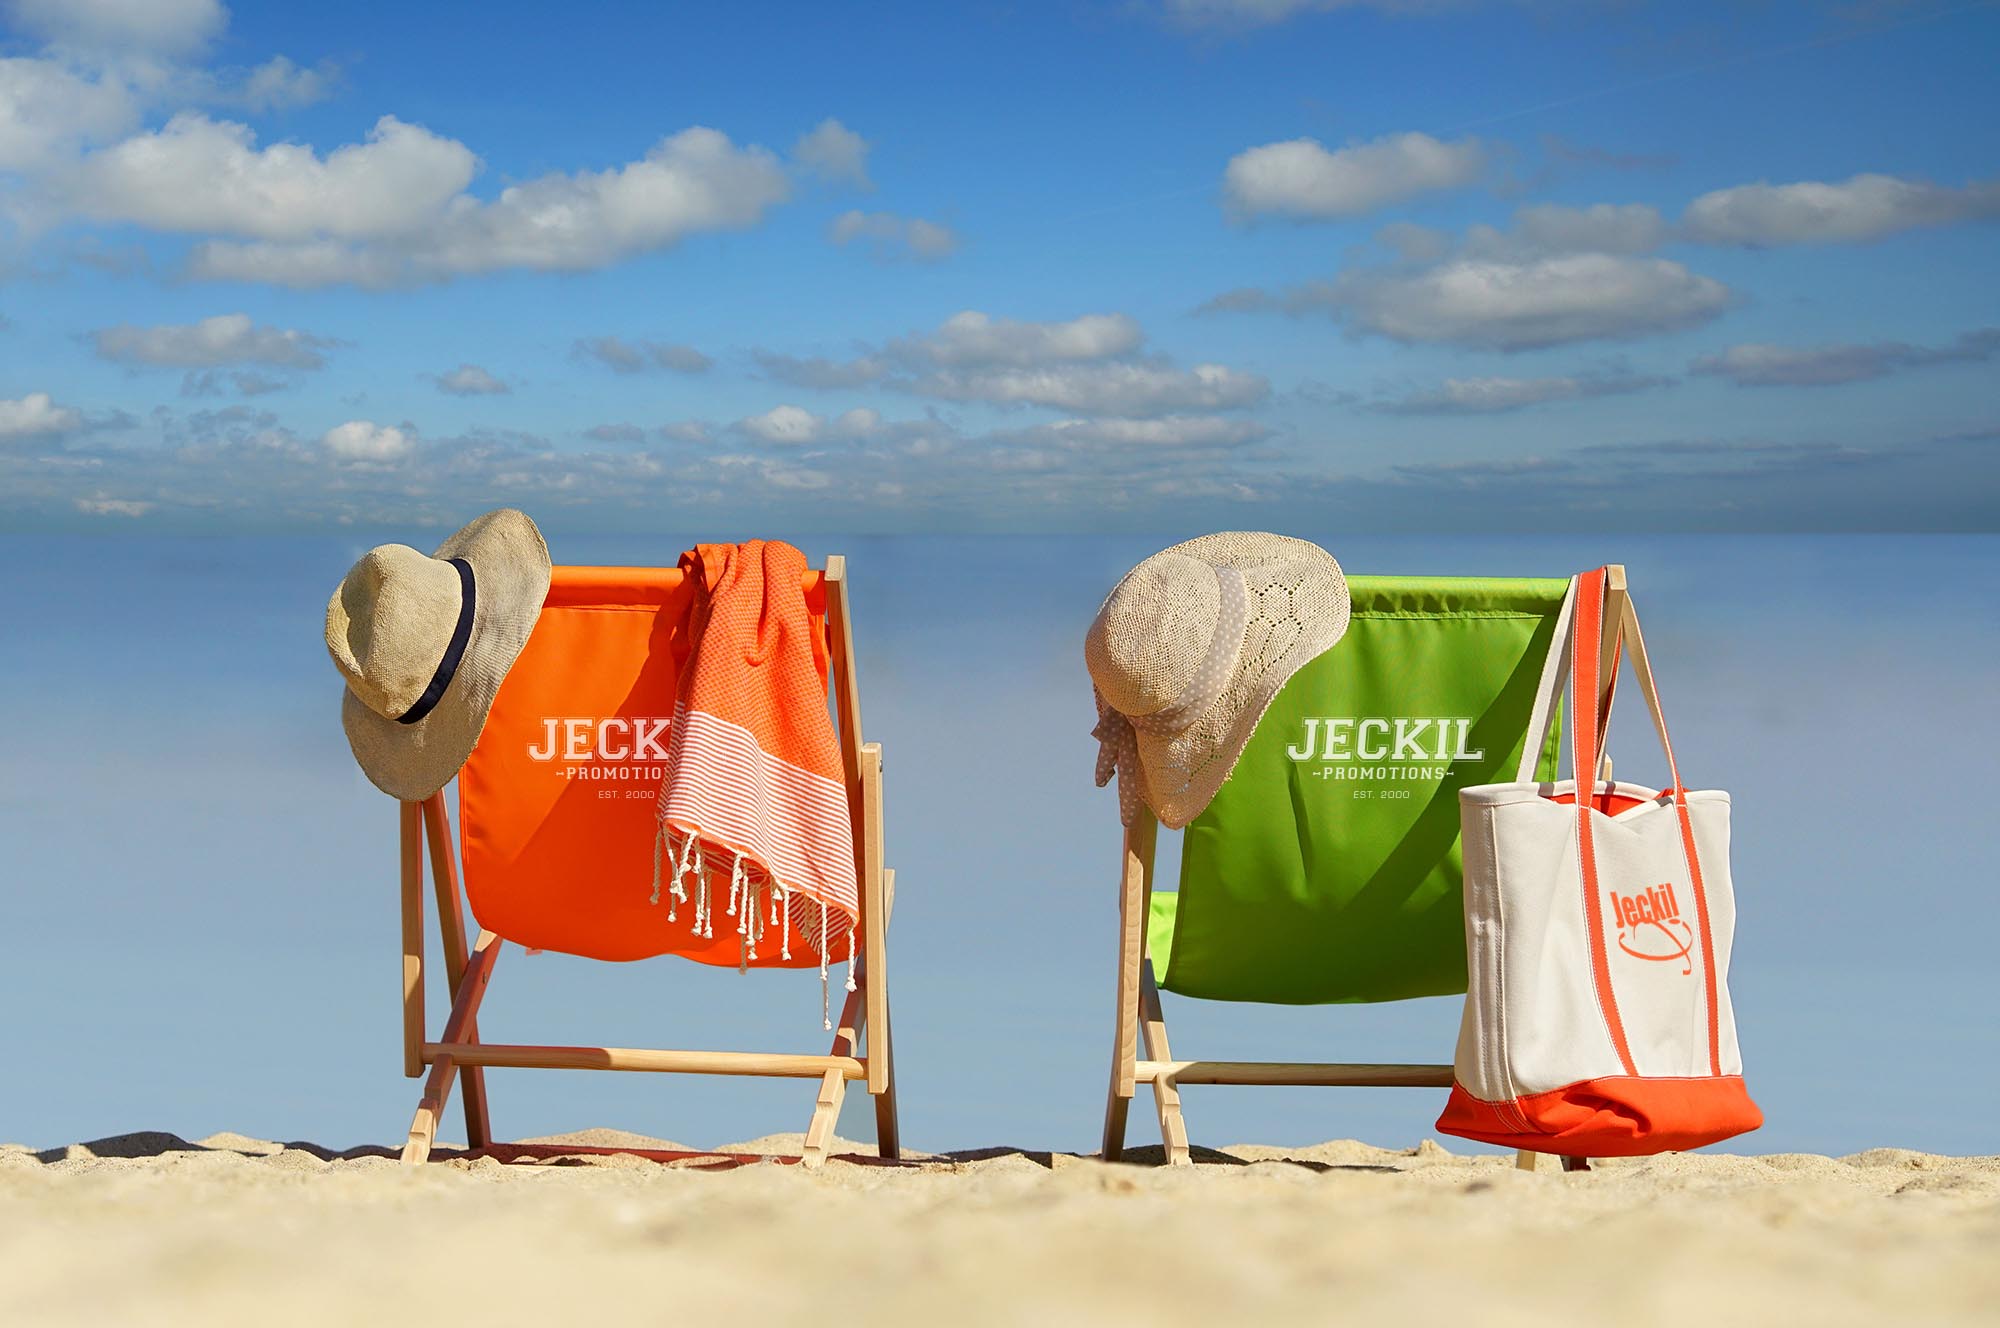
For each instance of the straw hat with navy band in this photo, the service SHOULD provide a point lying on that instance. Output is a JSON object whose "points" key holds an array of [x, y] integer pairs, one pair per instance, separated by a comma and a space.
{"points": [[424, 642]]}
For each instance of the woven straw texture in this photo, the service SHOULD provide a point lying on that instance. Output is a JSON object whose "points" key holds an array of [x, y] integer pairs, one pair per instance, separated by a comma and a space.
{"points": [[1188, 651], [386, 629]]}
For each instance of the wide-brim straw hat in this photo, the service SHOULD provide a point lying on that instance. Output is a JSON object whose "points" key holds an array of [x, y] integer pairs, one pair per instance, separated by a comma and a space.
{"points": [[424, 643], [1187, 653]]}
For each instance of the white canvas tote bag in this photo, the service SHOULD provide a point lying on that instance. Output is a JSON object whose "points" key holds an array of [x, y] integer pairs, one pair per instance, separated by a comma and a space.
{"points": [[1597, 1018]]}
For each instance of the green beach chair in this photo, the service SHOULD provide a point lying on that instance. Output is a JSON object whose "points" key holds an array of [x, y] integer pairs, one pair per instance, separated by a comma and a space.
{"points": [[1327, 868]]}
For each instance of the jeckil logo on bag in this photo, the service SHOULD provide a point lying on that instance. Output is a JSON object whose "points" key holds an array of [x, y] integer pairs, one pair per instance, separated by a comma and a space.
{"points": [[609, 747], [1650, 926]]}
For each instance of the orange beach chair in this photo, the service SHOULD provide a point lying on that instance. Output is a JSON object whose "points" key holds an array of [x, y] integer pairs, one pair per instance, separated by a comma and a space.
{"points": [[556, 832]]}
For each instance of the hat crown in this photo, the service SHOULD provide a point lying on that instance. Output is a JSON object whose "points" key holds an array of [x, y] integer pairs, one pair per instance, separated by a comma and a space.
{"points": [[1153, 633], [389, 623]]}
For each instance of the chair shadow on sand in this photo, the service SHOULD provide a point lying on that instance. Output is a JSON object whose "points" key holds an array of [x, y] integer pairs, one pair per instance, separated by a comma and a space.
{"points": [[158, 1143], [145, 1144], [1156, 1156]]}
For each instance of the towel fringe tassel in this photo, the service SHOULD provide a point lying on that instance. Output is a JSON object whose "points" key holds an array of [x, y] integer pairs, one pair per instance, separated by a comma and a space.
{"points": [[749, 903]]}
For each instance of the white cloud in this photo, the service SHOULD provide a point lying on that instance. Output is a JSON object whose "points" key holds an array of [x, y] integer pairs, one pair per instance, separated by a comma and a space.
{"points": [[819, 372], [1516, 306], [695, 180], [1302, 179], [1115, 388], [789, 426], [685, 431], [366, 441], [210, 383], [1495, 395], [279, 84], [1549, 229], [1172, 431], [130, 27], [975, 340], [628, 357], [302, 265], [890, 236], [48, 110], [469, 380], [780, 476], [1866, 207], [101, 506], [106, 65], [1090, 365], [615, 433], [222, 339], [36, 415], [1764, 365], [1415, 243], [834, 152], [207, 176], [393, 211], [856, 423]]}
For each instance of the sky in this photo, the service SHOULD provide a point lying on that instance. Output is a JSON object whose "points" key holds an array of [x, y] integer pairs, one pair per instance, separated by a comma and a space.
{"points": [[199, 886], [995, 299], [1394, 266]]}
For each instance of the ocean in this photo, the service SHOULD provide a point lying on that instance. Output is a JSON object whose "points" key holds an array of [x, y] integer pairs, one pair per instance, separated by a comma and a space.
{"points": [[200, 923]]}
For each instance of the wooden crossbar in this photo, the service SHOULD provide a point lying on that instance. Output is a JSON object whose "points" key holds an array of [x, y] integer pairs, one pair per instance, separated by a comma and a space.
{"points": [[1297, 1073], [772, 1064]]}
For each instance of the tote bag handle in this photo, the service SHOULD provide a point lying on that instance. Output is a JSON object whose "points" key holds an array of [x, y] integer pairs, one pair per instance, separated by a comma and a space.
{"points": [[1555, 671], [1581, 618], [1585, 735]]}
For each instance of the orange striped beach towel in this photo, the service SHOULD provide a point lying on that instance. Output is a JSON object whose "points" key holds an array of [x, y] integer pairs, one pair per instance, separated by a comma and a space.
{"points": [[754, 792]]}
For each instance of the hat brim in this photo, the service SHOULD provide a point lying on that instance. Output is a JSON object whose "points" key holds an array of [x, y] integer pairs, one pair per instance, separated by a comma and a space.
{"points": [[1184, 770], [510, 572]]}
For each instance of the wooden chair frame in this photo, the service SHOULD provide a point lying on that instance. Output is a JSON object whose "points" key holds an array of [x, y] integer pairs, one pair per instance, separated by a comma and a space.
{"points": [[1140, 1019], [861, 1046]]}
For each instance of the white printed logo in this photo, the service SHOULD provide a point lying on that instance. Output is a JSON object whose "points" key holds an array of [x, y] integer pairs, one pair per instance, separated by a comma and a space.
{"points": [[603, 748], [1385, 747]]}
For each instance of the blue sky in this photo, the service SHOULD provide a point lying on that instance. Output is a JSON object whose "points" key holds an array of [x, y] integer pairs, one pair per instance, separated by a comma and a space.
{"points": [[1478, 266]]}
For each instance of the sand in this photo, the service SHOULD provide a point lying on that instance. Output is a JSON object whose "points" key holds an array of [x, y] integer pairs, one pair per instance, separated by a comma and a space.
{"points": [[153, 1229]]}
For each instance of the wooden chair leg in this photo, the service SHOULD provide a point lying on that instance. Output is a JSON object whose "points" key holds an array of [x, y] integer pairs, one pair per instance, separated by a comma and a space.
{"points": [[1526, 1159], [1135, 883], [847, 1042], [444, 1071], [423, 1128], [1115, 1110], [888, 1128], [1166, 1094], [412, 843], [833, 1085], [1576, 1164], [451, 925], [826, 1115]]}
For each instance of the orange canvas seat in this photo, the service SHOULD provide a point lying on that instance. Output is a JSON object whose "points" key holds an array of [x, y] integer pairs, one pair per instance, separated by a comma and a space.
{"points": [[556, 804], [557, 819]]}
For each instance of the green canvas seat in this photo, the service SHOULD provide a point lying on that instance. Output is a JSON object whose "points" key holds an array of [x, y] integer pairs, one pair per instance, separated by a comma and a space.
{"points": [[1327, 868]]}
